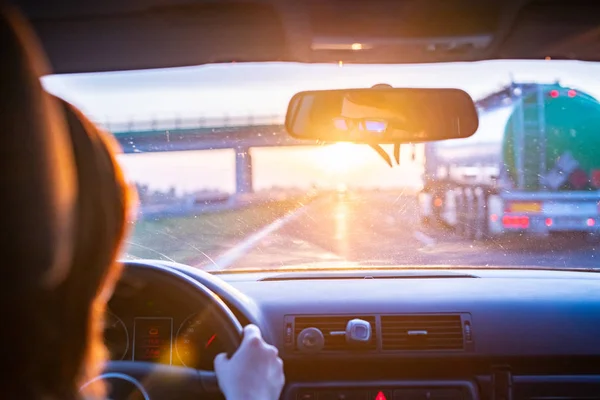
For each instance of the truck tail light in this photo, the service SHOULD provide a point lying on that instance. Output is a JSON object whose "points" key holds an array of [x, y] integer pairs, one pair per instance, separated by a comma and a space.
{"points": [[517, 221]]}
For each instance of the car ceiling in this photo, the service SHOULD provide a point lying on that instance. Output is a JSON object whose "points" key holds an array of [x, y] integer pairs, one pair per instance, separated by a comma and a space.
{"points": [[111, 35]]}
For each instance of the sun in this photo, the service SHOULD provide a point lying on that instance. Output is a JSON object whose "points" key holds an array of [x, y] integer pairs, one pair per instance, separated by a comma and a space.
{"points": [[341, 158]]}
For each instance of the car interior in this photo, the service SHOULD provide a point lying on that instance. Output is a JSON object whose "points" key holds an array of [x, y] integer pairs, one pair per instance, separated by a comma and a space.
{"points": [[379, 332]]}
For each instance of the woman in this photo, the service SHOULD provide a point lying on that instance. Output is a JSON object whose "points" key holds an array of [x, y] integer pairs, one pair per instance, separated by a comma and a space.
{"points": [[67, 206]]}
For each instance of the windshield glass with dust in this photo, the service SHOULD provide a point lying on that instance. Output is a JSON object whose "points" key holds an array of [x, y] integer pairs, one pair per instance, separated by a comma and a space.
{"points": [[223, 187]]}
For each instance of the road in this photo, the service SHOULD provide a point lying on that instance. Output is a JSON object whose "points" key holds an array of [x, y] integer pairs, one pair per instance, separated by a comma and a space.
{"points": [[383, 229]]}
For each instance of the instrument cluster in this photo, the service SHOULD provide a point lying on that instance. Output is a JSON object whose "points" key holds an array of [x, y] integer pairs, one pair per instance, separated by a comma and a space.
{"points": [[142, 326]]}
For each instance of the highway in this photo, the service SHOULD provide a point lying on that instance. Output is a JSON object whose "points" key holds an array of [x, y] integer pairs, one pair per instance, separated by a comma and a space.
{"points": [[382, 229]]}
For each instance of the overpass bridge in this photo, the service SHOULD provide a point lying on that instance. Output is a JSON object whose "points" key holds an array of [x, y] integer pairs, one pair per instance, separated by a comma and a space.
{"points": [[188, 134]]}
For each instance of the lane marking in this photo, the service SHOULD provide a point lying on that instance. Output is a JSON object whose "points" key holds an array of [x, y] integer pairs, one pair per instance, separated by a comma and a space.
{"points": [[238, 251], [424, 239]]}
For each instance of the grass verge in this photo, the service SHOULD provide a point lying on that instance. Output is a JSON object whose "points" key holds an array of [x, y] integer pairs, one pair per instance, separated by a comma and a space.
{"points": [[196, 239]]}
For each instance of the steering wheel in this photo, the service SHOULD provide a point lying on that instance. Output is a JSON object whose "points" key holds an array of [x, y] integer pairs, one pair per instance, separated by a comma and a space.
{"points": [[144, 380]]}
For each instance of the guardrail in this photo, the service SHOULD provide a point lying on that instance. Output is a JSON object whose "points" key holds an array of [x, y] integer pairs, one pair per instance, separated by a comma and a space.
{"points": [[201, 122]]}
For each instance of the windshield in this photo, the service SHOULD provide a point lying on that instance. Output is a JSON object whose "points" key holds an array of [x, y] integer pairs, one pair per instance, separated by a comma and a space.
{"points": [[222, 187]]}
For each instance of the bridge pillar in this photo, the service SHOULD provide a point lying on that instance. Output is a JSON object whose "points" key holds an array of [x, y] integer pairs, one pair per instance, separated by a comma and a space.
{"points": [[243, 170]]}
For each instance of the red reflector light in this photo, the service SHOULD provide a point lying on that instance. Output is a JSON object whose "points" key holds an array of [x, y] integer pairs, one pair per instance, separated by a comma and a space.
{"points": [[572, 93], [591, 222], [437, 202], [519, 222], [554, 93], [548, 222]]}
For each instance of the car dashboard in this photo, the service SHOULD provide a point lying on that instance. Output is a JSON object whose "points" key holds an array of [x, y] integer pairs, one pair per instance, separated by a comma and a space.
{"points": [[432, 334]]}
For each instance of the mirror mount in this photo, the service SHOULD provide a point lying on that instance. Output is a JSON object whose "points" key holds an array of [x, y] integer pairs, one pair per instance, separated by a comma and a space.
{"points": [[397, 153], [386, 157], [382, 153]]}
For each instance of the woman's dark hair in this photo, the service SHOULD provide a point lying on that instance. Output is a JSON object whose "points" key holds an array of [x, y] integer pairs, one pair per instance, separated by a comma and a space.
{"points": [[65, 206], [69, 349], [103, 203]]}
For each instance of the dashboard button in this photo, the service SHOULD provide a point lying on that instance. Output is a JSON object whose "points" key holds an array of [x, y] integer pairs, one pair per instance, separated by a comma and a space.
{"points": [[446, 394], [428, 394], [311, 340], [412, 394], [306, 395], [343, 395]]}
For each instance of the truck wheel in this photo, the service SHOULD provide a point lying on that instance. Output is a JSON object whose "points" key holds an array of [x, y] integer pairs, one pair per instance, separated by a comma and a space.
{"points": [[425, 208], [457, 211], [481, 227], [439, 210], [461, 213], [477, 214], [470, 214]]}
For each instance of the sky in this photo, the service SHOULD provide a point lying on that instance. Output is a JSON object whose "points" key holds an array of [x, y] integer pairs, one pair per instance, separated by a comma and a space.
{"points": [[265, 90]]}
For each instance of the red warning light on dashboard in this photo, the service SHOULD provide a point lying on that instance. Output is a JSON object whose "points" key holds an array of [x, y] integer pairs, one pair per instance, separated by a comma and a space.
{"points": [[152, 353], [380, 396], [152, 339]]}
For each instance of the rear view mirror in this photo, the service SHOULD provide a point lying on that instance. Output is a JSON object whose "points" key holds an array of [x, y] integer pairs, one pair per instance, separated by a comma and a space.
{"points": [[381, 115]]}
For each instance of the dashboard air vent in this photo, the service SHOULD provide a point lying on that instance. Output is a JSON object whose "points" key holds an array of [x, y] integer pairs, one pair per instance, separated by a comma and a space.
{"points": [[421, 332], [328, 324]]}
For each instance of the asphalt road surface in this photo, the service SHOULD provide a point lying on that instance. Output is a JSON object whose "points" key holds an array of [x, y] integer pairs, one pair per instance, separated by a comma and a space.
{"points": [[381, 229]]}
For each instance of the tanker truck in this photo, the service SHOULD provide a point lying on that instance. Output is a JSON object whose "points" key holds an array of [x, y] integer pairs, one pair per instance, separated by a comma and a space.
{"points": [[532, 167]]}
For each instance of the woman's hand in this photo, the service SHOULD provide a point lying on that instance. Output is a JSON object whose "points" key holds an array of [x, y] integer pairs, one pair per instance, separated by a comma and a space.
{"points": [[254, 372]]}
